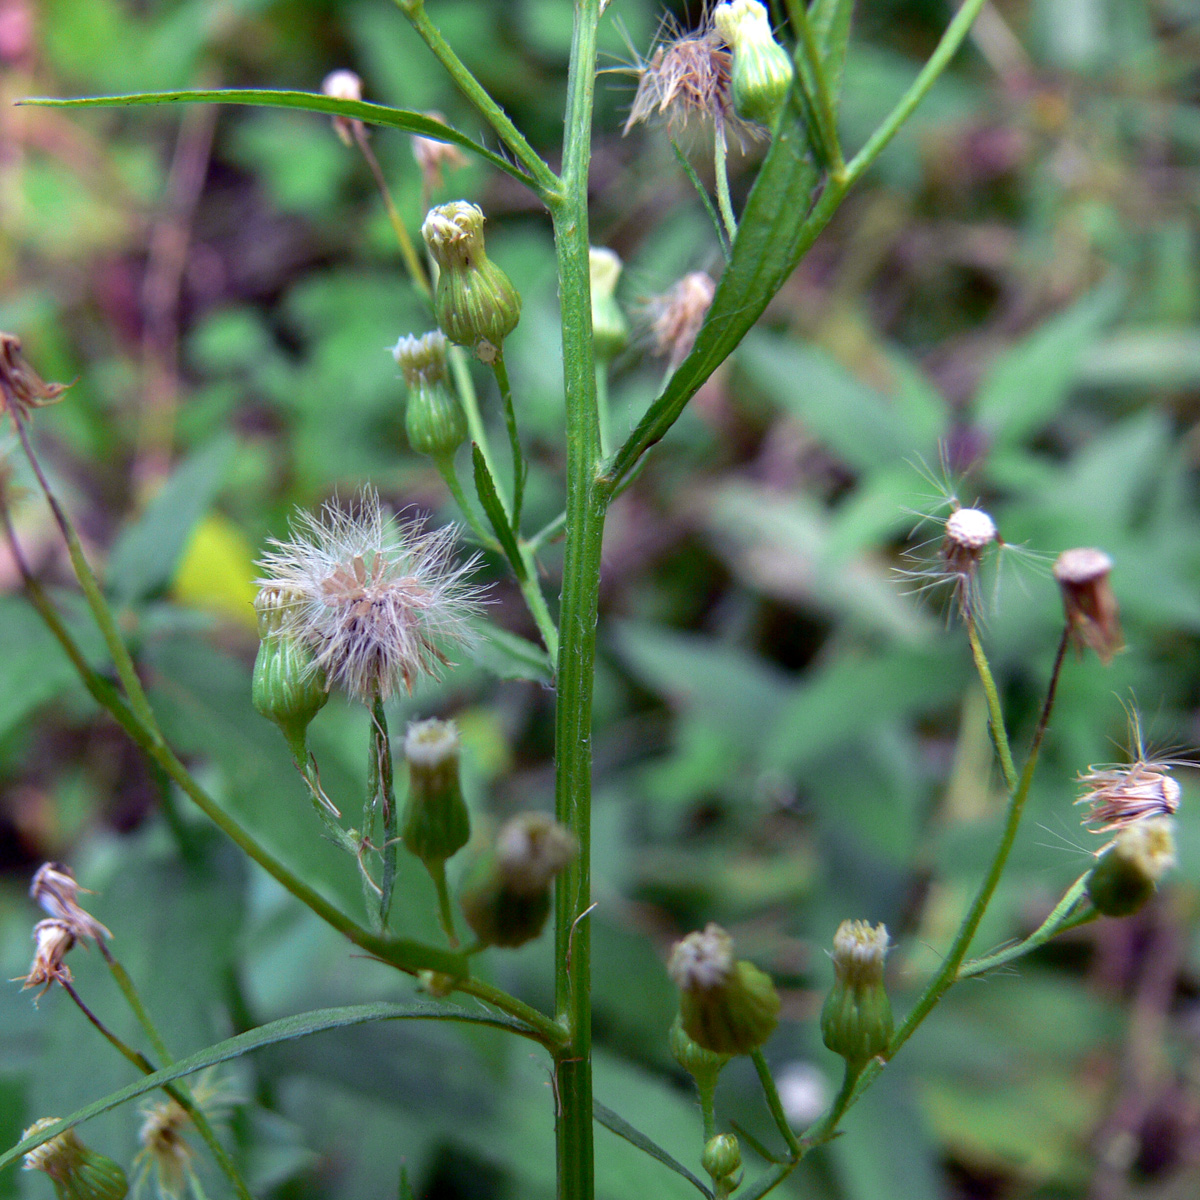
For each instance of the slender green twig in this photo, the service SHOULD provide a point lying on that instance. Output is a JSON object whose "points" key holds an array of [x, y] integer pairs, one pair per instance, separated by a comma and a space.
{"points": [[816, 87], [465, 386], [549, 531], [445, 466], [535, 600], [721, 163], [826, 1127], [702, 192], [547, 182], [514, 439], [385, 799], [774, 1103], [437, 872], [995, 712]]}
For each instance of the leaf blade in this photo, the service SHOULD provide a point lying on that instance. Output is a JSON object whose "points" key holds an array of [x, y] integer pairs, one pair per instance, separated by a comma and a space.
{"points": [[617, 1124]]}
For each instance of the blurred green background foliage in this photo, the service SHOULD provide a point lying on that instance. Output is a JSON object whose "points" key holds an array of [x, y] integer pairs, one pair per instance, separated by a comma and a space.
{"points": [[784, 735]]}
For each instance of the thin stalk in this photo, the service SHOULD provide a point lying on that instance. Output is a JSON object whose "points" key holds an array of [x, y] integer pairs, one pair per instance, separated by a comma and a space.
{"points": [[771, 1092], [545, 179], [465, 386], [535, 600], [520, 470], [995, 712], [816, 87], [126, 671], [437, 872], [384, 793], [1058, 919], [708, 1095], [956, 31], [445, 466], [826, 1127], [602, 408], [586, 508], [702, 192], [551, 530], [412, 260], [721, 163], [546, 1031]]}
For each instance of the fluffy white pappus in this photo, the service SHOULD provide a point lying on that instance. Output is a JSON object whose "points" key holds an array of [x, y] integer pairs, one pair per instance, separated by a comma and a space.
{"points": [[377, 601]]}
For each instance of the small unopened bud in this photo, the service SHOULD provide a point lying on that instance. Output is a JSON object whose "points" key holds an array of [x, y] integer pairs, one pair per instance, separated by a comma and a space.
{"points": [[476, 303], [507, 900], [343, 85], [76, 1172], [433, 156], [702, 1065], [288, 685], [856, 1020], [1088, 601], [726, 1006], [52, 939], [610, 330], [1127, 873], [434, 419], [55, 890], [722, 1159], [436, 822], [762, 71]]}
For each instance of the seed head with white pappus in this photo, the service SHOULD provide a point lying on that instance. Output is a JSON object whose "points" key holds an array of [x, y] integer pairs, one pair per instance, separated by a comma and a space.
{"points": [[379, 602]]}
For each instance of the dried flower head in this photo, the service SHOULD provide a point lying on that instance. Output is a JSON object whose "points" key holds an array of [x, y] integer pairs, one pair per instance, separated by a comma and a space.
{"points": [[676, 316], [531, 849], [433, 157], [685, 78], [165, 1156], [702, 960], [77, 1172], [1088, 601], [55, 890], [52, 939], [21, 387], [378, 602], [343, 85]]}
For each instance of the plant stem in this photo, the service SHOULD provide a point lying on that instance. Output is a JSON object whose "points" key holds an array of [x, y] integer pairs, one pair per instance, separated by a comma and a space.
{"points": [[826, 1127], [535, 601], [437, 872], [586, 507], [550, 1033], [408, 251], [514, 440], [384, 793], [445, 466], [771, 1092], [995, 712], [816, 88], [547, 182], [543, 535], [721, 164]]}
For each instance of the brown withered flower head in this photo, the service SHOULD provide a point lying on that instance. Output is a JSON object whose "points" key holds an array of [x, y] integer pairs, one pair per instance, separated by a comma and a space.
{"points": [[1088, 601], [434, 157], [55, 890], [676, 316], [52, 939], [21, 387], [1121, 794]]}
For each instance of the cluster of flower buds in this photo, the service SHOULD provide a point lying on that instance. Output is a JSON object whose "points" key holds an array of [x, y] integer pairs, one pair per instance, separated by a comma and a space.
{"points": [[76, 1172], [434, 419], [507, 900], [289, 687], [856, 1020], [436, 823], [761, 72], [476, 303], [726, 1006]]}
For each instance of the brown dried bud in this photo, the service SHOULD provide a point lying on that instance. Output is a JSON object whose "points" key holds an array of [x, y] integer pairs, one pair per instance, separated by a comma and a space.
{"points": [[55, 891], [21, 387], [1088, 601], [53, 939], [676, 316]]}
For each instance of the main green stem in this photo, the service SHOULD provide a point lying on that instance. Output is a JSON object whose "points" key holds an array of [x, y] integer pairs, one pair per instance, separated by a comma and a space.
{"points": [[587, 502]]}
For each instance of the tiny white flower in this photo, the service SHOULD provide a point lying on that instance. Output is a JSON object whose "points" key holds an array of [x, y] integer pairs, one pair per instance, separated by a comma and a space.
{"points": [[377, 602]]}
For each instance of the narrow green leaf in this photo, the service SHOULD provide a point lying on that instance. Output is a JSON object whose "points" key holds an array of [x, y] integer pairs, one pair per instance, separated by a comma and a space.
{"points": [[776, 229], [145, 555], [489, 498], [358, 110], [622, 1128], [285, 1030], [755, 1144], [705, 199], [830, 21]]}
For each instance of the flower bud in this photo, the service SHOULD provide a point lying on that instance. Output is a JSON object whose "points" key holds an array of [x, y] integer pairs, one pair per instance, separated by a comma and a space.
{"points": [[507, 900], [722, 1158], [762, 70], [1127, 873], [610, 330], [343, 85], [856, 1020], [434, 419], [52, 939], [76, 1172], [56, 891], [433, 156], [702, 1065], [436, 822], [1088, 601], [725, 1006], [476, 304], [288, 686]]}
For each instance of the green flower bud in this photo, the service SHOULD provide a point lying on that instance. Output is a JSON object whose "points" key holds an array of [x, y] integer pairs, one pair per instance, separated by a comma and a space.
{"points": [[722, 1158], [476, 304], [436, 823], [610, 330], [761, 72], [76, 1172], [507, 900], [725, 1006], [856, 1020], [702, 1065], [288, 687], [1127, 872], [434, 419]]}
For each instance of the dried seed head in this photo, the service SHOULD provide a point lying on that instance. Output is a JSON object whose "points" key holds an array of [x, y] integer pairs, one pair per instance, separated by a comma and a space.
{"points": [[52, 939], [433, 156], [21, 388], [56, 892], [379, 603], [1121, 796], [1093, 616], [343, 85], [677, 315], [686, 78]]}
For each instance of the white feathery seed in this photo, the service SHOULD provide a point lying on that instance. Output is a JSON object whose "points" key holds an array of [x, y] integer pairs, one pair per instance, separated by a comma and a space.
{"points": [[378, 601]]}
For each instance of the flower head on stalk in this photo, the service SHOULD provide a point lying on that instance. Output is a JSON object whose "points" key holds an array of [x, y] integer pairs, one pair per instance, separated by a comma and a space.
{"points": [[377, 602], [21, 387], [165, 1156], [676, 316], [434, 157], [52, 939], [56, 891]]}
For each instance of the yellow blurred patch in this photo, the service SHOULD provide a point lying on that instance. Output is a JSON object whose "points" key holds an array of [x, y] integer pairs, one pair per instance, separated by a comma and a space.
{"points": [[217, 572]]}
